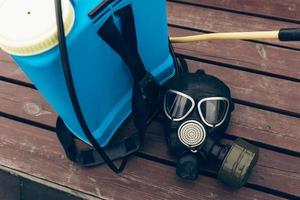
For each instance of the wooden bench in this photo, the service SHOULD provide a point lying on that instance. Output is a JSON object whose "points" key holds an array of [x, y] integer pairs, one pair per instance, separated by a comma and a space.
{"points": [[264, 77]]}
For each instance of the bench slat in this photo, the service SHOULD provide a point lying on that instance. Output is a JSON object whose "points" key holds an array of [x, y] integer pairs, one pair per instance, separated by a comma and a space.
{"points": [[33, 151], [244, 55], [248, 122], [36, 152], [9, 69], [222, 21], [262, 176], [26, 103], [287, 9], [272, 170], [254, 88]]}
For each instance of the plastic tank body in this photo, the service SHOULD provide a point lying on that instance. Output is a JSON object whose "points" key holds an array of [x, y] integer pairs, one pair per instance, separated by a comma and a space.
{"points": [[102, 80]]}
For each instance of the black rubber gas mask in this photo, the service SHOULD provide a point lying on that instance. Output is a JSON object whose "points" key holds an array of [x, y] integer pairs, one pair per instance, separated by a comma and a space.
{"points": [[198, 109]]}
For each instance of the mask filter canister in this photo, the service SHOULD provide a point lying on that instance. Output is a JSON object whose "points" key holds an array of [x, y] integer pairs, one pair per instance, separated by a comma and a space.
{"points": [[238, 163]]}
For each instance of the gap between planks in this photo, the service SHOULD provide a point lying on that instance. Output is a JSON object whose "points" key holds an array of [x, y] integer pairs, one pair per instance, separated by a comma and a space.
{"points": [[247, 122], [152, 176], [222, 21], [158, 131], [286, 11]]}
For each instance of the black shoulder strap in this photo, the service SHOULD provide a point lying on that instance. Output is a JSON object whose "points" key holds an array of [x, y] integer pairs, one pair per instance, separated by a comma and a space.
{"points": [[124, 42], [145, 88]]}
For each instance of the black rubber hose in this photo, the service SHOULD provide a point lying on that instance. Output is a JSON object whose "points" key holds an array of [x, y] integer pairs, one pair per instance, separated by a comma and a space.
{"points": [[72, 91]]}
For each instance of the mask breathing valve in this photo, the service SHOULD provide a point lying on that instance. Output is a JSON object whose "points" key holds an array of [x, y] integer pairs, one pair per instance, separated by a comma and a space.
{"points": [[191, 133]]}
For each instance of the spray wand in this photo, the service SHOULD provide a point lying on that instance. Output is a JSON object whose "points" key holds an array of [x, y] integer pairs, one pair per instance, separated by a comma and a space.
{"points": [[290, 34]]}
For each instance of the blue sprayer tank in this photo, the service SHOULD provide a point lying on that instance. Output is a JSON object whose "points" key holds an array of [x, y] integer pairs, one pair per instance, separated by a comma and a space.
{"points": [[102, 80]]}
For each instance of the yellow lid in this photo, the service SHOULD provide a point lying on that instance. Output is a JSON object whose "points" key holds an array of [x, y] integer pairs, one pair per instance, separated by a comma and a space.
{"points": [[28, 27]]}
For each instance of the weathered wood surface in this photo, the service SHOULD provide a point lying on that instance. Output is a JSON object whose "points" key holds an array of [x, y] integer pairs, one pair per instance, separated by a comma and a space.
{"points": [[16, 100], [258, 58], [272, 169], [275, 9], [194, 17], [37, 152], [251, 87], [248, 122], [264, 79]]}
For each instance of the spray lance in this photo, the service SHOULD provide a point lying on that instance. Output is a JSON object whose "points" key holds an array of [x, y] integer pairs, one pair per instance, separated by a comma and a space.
{"points": [[289, 34]]}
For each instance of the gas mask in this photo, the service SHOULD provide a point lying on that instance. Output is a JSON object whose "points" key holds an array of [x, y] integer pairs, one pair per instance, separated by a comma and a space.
{"points": [[198, 109]]}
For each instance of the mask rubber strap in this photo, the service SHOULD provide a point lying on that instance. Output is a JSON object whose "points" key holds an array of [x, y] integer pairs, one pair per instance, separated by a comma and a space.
{"points": [[72, 92]]}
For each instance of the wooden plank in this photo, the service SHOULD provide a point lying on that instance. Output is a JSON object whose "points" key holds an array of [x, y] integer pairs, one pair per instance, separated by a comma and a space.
{"points": [[260, 91], [287, 9], [273, 169], [26, 103], [246, 55], [287, 84], [265, 127], [247, 122], [222, 21], [264, 181], [9, 69], [4, 57], [251, 87], [36, 152]]}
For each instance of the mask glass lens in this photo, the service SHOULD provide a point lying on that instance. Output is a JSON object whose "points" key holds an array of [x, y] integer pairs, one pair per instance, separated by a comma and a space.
{"points": [[213, 111], [177, 105]]}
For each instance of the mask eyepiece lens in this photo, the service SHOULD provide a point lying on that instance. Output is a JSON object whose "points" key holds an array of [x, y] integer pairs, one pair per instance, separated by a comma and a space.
{"points": [[177, 105], [213, 111]]}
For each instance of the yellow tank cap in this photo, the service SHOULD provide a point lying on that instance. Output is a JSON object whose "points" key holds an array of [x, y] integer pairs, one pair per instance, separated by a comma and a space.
{"points": [[28, 27]]}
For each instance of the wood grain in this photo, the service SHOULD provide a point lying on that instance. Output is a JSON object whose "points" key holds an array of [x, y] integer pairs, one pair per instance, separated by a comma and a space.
{"points": [[37, 152], [257, 130], [255, 88], [9, 69], [222, 21], [246, 55], [287, 9], [254, 124], [272, 169], [26, 103], [4, 57]]}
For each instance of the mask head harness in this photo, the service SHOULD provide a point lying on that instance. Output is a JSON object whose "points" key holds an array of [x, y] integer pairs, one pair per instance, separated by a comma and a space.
{"points": [[198, 109]]}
